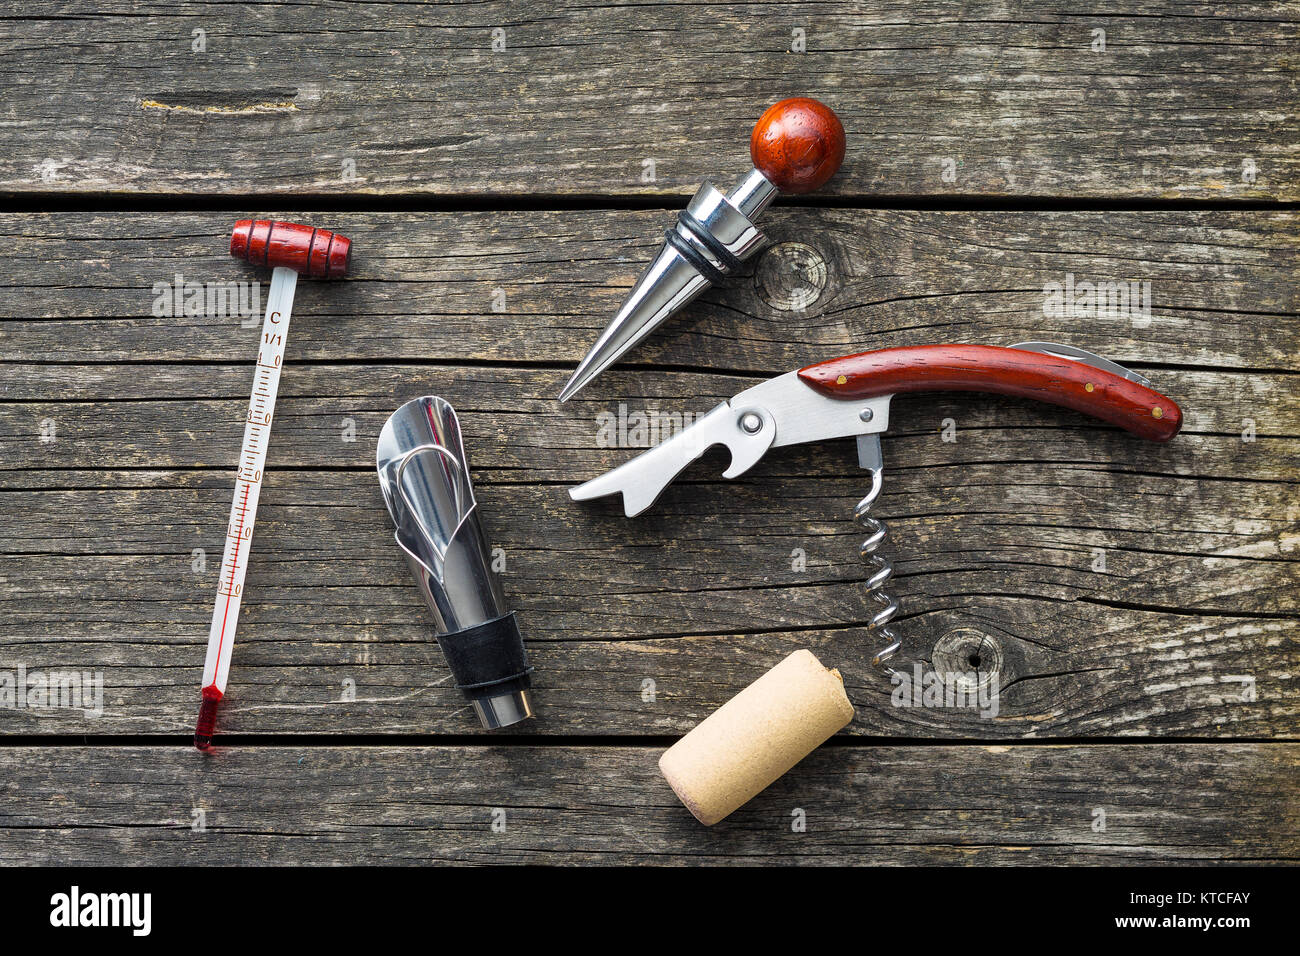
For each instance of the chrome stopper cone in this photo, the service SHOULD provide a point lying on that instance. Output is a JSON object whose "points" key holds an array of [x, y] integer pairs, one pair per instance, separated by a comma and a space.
{"points": [[710, 241]]}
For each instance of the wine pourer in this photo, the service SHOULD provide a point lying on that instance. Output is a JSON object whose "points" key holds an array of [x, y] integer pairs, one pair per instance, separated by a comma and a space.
{"points": [[424, 475]]}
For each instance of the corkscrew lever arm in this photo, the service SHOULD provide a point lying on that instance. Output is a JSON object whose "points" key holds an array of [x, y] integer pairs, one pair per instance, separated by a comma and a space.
{"points": [[850, 396]]}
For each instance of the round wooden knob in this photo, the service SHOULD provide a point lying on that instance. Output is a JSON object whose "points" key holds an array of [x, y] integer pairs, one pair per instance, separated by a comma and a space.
{"points": [[797, 144]]}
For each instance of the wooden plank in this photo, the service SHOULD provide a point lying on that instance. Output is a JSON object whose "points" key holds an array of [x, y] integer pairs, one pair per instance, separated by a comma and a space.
{"points": [[181, 416], [1177, 803], [386, 99], [102, 579], [426, 287], [1005, 549], [996, 534]]}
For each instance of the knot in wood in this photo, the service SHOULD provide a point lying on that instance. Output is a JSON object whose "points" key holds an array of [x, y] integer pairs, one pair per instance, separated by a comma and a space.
{"points": [[791, 276], [967, 657]]}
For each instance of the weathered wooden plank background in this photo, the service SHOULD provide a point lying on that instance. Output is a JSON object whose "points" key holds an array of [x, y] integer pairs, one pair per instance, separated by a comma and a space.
{"points": [[514, 177], [1174, 102], [995, 530], [419, 804]]}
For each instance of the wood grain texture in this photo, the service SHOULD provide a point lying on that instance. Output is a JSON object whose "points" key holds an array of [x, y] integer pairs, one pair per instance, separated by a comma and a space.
{"points": [[1105, 587], [997, 534], [79, 287], [1226, 803], [389, 99]]}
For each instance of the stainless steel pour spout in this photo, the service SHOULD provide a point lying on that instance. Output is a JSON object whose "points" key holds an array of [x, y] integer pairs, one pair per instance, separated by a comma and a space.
{"points": [[796, 146], [424, 475]]}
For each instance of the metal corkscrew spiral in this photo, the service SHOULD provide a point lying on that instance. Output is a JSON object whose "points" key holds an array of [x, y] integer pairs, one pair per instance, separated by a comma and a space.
{"points": [[869, 458]]}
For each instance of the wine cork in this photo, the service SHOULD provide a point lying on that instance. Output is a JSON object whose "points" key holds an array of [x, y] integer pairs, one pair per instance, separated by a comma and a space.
{"points": [[742, 747]]}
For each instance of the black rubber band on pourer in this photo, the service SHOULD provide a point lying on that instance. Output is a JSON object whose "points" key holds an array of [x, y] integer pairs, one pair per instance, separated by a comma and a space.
{"points": [[487, 656], [493, 683]]}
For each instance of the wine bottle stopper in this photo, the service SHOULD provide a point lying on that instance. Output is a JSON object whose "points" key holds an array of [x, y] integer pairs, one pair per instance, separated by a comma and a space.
{"points": [[796, 146]]}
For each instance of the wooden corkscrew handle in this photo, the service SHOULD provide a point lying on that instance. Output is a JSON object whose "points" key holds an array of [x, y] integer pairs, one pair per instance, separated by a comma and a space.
{"points": [[986, 368]]}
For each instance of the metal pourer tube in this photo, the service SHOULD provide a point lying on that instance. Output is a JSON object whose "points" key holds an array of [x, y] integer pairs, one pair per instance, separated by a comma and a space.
{"points": [[424, 476]]}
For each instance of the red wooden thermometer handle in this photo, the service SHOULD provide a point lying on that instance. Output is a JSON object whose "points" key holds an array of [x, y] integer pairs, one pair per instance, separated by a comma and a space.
{"points": [[314, 252], [987, 368]]}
